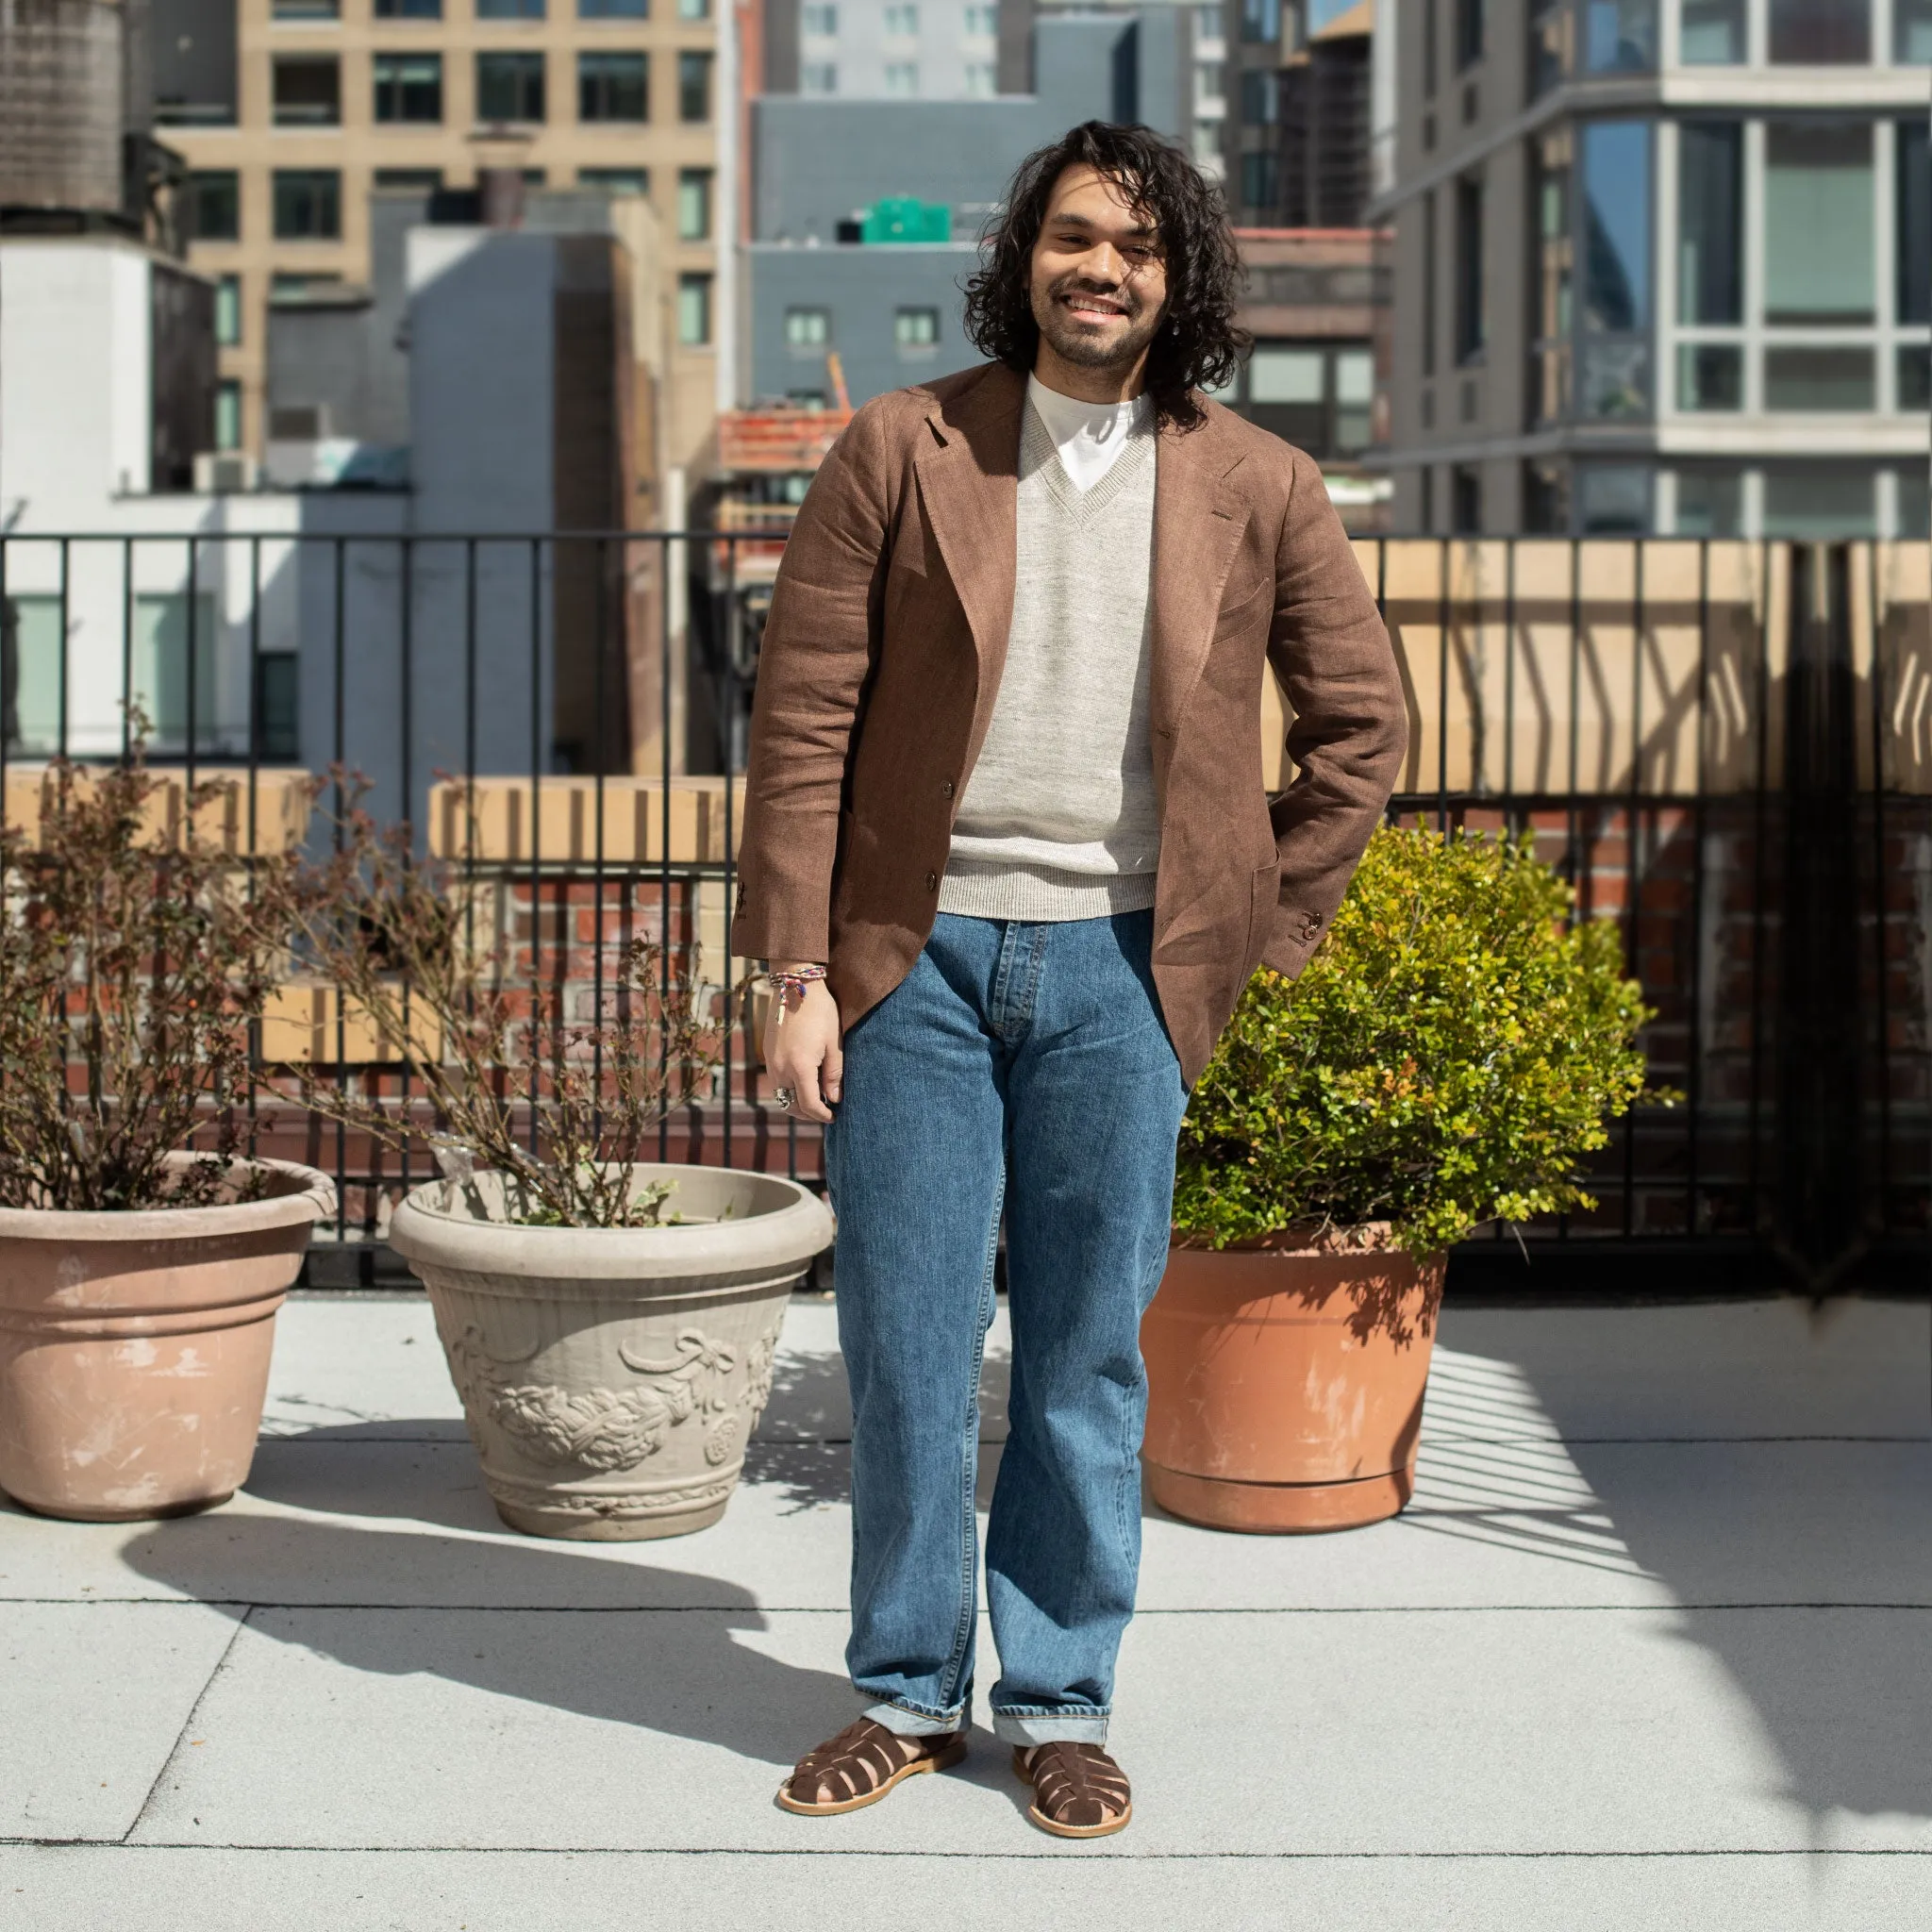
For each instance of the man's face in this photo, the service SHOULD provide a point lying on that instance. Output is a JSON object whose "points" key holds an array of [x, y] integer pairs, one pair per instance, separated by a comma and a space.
{"points": [[1099, 277]]}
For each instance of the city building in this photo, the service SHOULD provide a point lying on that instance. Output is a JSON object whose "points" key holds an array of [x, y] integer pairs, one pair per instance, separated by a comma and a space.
{"points": [[1659, 265], [290, 112], [936, 50], [1324, 126]]}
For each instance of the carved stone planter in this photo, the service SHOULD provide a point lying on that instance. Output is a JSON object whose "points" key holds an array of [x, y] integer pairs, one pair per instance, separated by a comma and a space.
{"points": [[134, 1347], [612, 1376]]}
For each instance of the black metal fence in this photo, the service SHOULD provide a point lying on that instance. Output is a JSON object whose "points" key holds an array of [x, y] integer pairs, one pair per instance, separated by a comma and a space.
{"points": [[1727, 747]]}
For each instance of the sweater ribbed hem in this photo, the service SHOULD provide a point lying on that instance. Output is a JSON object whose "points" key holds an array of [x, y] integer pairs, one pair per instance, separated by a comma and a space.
{"points": [[1041, 894]]}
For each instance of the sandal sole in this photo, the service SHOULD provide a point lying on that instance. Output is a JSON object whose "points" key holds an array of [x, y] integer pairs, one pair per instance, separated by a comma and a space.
{"points": [[939, 1761], [1047, 1825]]}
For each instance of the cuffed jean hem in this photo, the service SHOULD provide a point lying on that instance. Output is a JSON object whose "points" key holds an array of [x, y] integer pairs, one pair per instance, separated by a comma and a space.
{"points": [[915, 1723], [1028, 1728]]}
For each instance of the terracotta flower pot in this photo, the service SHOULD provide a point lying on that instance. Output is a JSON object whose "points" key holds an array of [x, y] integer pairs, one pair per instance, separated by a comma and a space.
{"points": [[1286, 1382], [612, 1376], [134, 1347]]}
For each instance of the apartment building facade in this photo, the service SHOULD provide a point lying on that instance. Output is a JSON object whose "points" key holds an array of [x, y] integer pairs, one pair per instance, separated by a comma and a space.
{"points": [[290, 112], [1661, 265]]}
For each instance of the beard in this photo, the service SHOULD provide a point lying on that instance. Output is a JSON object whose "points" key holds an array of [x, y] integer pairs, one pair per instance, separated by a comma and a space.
{"points": [[1086, 347]]}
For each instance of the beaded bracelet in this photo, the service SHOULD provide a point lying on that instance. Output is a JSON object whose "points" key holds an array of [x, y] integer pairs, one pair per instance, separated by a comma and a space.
{"points": [[787, 984]]}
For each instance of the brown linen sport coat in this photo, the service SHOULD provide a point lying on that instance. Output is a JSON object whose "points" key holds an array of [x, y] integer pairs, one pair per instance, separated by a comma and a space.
{"points": [[882, 656]]}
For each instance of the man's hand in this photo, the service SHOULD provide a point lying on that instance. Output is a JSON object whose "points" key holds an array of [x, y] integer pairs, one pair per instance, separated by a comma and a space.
{"points": [[802, 1051]]}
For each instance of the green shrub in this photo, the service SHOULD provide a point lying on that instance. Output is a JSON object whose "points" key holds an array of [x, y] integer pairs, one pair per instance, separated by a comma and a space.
{"points": [[1447, 1058]]}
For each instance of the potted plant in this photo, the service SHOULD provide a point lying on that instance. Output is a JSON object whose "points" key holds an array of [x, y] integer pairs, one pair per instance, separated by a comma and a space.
{"points": [[144, 1253], [1446, 1059], [610, 1319]]}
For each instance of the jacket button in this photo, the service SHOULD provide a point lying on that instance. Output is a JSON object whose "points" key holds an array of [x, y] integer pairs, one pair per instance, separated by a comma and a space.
{"points": [[946, 789], [932, 882]]}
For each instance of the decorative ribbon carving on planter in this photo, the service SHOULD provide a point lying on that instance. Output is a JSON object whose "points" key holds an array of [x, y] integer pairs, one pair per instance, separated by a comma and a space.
{"points": [[612, 1429]]}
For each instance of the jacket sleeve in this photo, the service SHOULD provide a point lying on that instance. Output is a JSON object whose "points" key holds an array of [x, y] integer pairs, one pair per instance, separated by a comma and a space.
{"points": [[1349, 719], [817, 648]]}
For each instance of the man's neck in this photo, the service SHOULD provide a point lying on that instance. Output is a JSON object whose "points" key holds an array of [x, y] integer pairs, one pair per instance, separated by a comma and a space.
{"points": [[1097, 386]]}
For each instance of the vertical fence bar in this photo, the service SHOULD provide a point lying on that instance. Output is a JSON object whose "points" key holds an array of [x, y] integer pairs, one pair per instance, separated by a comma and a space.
{"points": [[127, 647], [1633, 856], [601, 558], [405, 672], [254, 848], [1881, 991], [14, 674], [338, 759], [1443, 693], [728, 731], [667, 606], [1694, 1070], [1760, 808], [194, 652], [60, 647], [535, 815]]}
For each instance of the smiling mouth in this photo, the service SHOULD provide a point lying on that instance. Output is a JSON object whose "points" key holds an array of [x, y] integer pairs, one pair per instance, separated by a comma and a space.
{"points": [[1088, 309]]}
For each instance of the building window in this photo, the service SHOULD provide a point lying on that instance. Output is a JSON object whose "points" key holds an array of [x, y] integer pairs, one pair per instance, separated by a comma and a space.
{"points": [[285, 285], [419, 180], [982, 20], [694, 205], [1710, 222], [1355, 400], [980, 79], [408, 87], [1911, 32], [1545, 499], [1714, 33], [693, 87], [1819, 263], [1261, 22], [902, 19], [227, 414], [1914, 513], [1915, 376], [1471, 323], [616, 180], [916, 328], [1430, 64], [807, 328], [1552, 25], [1821, 33], [169, 628], [1260, 97], [509, 87], [308, 205], [1710, 503], [408, 9], [1711, 375], [310, 10], [1914, 226], [614, 9], [308, 90], [1615, 210], [1466, 501], [276, 682], [509, 9], [1619, 36], [902, 77], [817, 78], [823, 19], [1834, 379], [693, 9], [1821, 500], [1259, 180], [214, 204], [694, 311], [1470, 29], [1430, 250], [614, 87], [1613, 500], [1553, 253], [228, 310]]}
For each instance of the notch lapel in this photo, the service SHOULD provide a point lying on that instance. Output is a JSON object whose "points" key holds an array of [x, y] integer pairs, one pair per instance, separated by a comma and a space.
{"points": [[1198, 520], [969, 480]]}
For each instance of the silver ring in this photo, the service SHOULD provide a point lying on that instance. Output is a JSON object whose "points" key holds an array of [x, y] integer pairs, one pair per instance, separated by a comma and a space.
{"points": [[782, 1098]]}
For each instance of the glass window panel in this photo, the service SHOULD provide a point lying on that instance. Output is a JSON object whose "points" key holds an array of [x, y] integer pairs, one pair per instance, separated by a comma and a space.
{"points": [[1261, 20], [616, 180], [1471, 28], [423, 180], [1822, 500], [509, 87], [614, 87], [308, 205], [1914, 503], [1286, 376], [160, 657], [228, 415], [408, 9], [693, 87], [1714, 33], [693, 204], [1613, 499], [277, 677], [1818, 258], [214, 204], [1550, 281], [1710, 503], [1354, 377], [228, 310], [1820, 378], [408, 87], [1615, 379], [306, 10], [1616, 225], [1471, 322], [916, 328], [1551, 31], [614, 9], [1915, 376], [34, 727], [693, 9], [1619, 36], [1545, 499], [509, 9], [1814, 33], [1710, 240], [1914, 200], [1911, 32], [308, 90], [694, 311], [807, 328], [1711, 375]]}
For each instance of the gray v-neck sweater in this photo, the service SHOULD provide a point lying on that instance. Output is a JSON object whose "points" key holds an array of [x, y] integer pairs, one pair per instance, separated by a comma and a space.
{"points": [[1058, 819]]}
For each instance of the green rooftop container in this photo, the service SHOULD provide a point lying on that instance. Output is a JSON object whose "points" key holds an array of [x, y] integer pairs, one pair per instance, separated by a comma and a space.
{"points": [[902, 218]]}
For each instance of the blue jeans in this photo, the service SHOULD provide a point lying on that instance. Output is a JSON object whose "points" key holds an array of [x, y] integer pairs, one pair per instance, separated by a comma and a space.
{"points": [[1025, 1065]]}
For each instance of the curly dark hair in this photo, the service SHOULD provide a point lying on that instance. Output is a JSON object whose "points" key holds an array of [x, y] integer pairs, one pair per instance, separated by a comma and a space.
{"points": [[1197, 346]]}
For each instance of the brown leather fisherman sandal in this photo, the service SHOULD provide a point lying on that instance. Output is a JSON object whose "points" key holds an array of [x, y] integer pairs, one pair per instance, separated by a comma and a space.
{"points": [[860, 1766], [1078, 1791]]}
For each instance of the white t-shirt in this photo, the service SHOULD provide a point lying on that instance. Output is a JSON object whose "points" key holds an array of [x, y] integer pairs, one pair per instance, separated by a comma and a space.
{"points": [[1089, 436]]}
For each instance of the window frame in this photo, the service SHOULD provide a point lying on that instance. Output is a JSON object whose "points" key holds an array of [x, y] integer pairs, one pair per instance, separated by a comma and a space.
{"points": [[524, 62], [384, 66], [599, 71], [288, 180]]}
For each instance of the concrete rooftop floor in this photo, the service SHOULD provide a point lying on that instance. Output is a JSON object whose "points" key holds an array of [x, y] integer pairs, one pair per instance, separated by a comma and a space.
{"points": [[1652, 1648]]}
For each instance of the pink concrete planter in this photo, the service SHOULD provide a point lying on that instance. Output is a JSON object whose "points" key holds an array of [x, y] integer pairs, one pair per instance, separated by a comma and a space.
{"points": [[134, 1347]]}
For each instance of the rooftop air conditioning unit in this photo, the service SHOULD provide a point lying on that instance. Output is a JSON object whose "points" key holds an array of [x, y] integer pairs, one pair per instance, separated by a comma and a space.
{"points": [[224, 473]]}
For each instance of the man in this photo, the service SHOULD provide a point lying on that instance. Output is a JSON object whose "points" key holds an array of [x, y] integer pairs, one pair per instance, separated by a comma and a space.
{"points": [[1008, 852]]}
